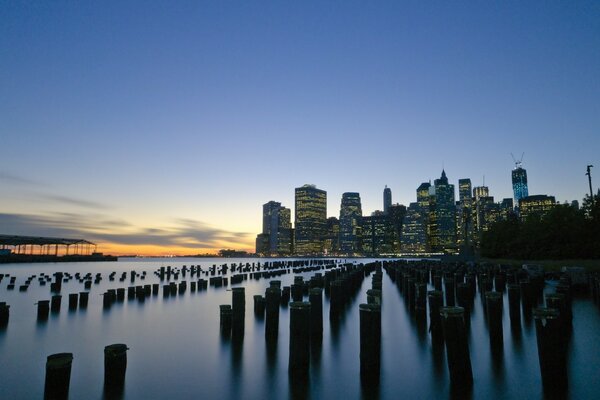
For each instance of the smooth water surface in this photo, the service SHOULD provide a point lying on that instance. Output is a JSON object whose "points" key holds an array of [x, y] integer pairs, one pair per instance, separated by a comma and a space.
{"points": [[176, 350]]}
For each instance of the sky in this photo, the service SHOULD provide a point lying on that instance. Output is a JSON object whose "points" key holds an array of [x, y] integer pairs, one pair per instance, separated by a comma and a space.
{"points": [[162, 127]]}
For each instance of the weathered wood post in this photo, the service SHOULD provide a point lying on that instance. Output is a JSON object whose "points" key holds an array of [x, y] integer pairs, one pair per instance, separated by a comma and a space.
{"points": [[436, 301], [493, 302], [55, 303], [238, 306], [4, 314], [299, 357], [449, 286], [421, 301], [514, 306], [370, 342], [551, 351], [43, 309], [272, 299], [226, 316], [83, 299], [457, 347], [316, 312], [259, 306], [115, 365], [58, 376]]}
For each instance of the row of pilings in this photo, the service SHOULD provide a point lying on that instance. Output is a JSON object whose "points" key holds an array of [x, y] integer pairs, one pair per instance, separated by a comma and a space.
{"points": [[305, 301], [450, 303], [168, 276]]}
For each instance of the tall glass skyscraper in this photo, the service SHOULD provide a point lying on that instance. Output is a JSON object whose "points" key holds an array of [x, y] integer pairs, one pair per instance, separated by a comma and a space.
{"points": [[276, 237], [444, 209], [387, 200], [310, 220], [350, 215], [519, 182]]}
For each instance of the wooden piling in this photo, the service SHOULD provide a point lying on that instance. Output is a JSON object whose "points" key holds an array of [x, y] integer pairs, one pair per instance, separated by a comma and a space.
{"points": [[457, 347], [551, 351], [316, 312], [514, 304], [226, 316], [436, 301], [115, 365], [370, 342], [58, 376], [238, 307], [493, 301], [272, 300], [299, 356]]}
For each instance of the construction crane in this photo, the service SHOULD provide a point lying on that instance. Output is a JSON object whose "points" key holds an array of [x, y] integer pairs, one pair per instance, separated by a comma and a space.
{"points": [[518, 163]]}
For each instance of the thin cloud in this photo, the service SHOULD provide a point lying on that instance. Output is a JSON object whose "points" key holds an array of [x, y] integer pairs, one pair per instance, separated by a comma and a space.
{"points": [[75, 202], [20, 180], [99, 228]]}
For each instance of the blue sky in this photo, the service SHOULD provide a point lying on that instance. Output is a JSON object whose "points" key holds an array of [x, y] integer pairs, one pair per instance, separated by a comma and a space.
{"points": [[181, 119]]}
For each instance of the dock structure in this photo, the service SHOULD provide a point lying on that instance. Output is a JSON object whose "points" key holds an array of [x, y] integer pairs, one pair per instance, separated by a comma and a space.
{"points": [[33, 245]]}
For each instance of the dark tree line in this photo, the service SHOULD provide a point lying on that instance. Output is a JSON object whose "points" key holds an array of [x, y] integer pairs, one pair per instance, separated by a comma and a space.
{"points": [[562, 233]]}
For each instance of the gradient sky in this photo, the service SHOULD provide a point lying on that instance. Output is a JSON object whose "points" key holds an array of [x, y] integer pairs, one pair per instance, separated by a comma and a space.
{"points": [[162, 127]]}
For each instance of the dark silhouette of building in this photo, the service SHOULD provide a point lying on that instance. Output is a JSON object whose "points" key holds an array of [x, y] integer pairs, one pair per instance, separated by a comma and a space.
{"points": [[331, 244], [276, 237], [387, 199]]}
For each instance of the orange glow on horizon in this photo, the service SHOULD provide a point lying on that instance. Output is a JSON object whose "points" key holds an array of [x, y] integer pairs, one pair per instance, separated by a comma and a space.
{"points": [[117, 249]]}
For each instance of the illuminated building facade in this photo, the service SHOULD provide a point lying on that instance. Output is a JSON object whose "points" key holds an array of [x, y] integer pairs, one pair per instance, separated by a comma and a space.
{"points": [[350, 214], [507, 209], [464, 214], [377, 235], [535, 205], [488, 213], [442, 215], [519, 183], [413, 239], [310, 220], [396, 215]]}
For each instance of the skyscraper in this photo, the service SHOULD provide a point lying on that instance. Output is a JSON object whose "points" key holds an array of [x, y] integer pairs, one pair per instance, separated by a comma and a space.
{"points": [[310, 219], [519, 182], [332, 237], [464, 189], [443, 210], [350, 214], [271, 223], [387, 199], [276, 237], [413, 239], [396, 218], [377, 234], [464, 215]]}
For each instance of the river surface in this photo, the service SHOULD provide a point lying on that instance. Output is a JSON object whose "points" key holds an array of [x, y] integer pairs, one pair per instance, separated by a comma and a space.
{"points": [[176, 350]]}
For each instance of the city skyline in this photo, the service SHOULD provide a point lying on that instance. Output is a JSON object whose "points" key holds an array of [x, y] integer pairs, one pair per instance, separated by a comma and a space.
{"points": [[153, 130]]}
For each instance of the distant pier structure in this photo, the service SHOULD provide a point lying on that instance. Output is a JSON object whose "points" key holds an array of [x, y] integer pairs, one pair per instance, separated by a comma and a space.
{"points": [[42, 249]]}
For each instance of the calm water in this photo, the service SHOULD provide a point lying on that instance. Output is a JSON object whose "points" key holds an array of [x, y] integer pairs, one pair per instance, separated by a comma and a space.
{"points": [[176, 350]]}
